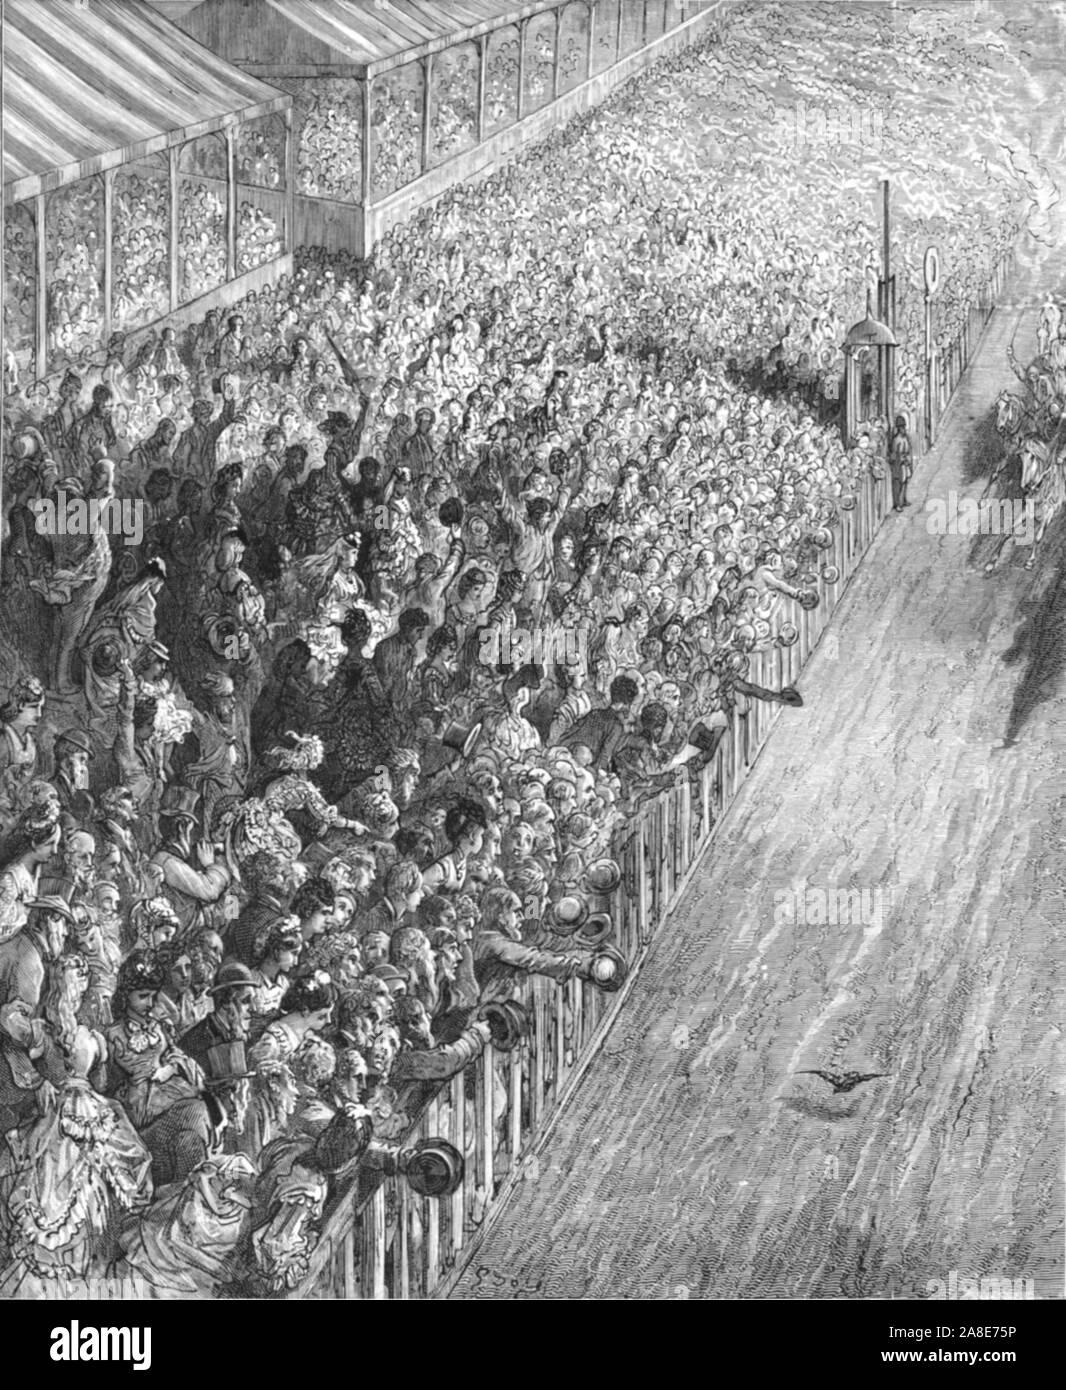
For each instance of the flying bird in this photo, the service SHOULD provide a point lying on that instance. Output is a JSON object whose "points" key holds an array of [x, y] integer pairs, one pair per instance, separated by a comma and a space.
{"points": [[847, 1082]]}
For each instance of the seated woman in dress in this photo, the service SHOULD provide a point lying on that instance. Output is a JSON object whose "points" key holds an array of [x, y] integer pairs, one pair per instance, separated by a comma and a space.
{"points": [[306, 1009], [264, 822], [147, 1073], [183, 1245], [67, 1174], [19, 717], [275, 959]]}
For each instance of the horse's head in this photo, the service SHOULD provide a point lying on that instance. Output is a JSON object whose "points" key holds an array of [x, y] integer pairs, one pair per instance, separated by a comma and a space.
{"points": [[1034, 464], [1006, 412]]}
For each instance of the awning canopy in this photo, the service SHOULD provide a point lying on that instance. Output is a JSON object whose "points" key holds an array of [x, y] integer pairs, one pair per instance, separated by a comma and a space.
{"points": [[342, 38], [91, 86]]}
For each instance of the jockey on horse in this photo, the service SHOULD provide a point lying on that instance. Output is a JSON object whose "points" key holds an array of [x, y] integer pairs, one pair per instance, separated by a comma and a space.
{"points": [[1043, 490], [1039, 392]]}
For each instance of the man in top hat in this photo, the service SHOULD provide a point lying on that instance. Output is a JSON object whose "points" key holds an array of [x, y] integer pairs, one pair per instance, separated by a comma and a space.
{"points": [[189, 889], [73, 752], [27, 1053], [194, 1129], [233, 992]]}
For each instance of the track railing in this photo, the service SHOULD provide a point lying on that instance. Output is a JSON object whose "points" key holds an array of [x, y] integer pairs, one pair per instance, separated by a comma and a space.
{"points": [[379, 1240]]}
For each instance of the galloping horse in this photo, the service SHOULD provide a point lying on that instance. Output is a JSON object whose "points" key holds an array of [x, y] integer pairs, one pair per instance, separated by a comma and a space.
{"points": [[1011, 415], [1043, 484], [1043, 491]]}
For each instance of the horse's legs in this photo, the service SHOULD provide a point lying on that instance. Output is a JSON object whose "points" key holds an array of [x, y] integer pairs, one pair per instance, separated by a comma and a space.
{"points": [[997, 554], [1041, 528]]}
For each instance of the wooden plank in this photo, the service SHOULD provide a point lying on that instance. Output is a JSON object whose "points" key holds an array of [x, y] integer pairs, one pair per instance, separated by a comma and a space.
{"points": [[368, 147], [348, 1252], [175, 222], [109, 251], [534, 1064], [482, 67], [401, 1263], [374, 1245], [289, 228], [457, 1135], [427, 111], [642, 877], [560, 1034], [484, 1115], [40, 365], [431, 1207], [522, 28], [515, 1099], [231, 203]]}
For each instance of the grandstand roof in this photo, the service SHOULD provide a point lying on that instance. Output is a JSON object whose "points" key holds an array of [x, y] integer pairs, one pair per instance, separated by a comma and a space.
{"points": [[346, 38], [89, 86]]}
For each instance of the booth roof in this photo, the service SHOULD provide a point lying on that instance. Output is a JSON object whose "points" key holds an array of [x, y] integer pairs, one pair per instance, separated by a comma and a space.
{"points": [[91, 86], [346, 38]]}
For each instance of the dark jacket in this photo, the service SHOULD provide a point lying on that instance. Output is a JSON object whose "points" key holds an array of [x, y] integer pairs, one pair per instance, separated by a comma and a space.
{"points": [[440, 1062], [252, 926], [208, 1033], [600, 731], [180, 1139], [498, 959]]}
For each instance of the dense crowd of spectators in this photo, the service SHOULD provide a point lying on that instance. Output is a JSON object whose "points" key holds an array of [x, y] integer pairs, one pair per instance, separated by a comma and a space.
{"points": [[74, 222], [396, 100], [20, 290], [501, 80], [260, 151], [539, 71], [201, 239], [453, 114], [141, 255], [329, 128], [449, 560], [258, 238]]}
